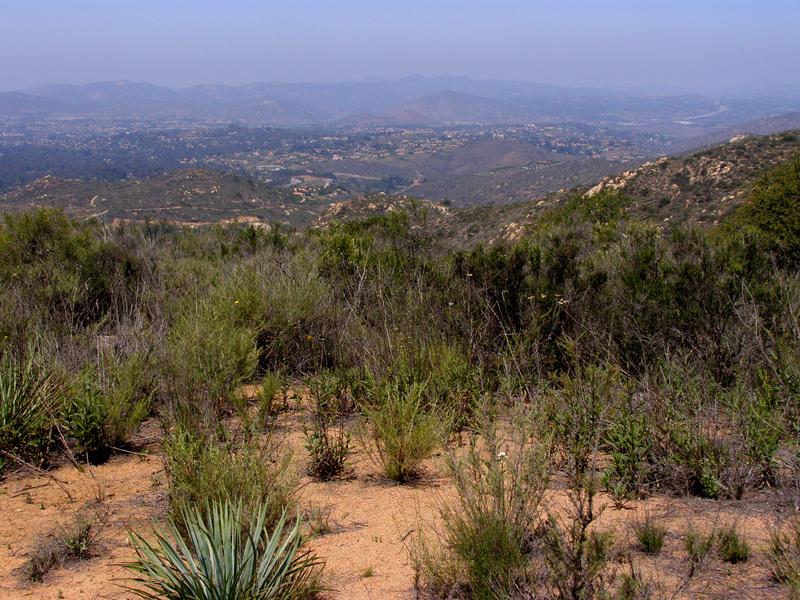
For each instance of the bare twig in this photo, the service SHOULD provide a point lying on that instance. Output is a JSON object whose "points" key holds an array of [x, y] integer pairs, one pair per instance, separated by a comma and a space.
{"points": [[60, 483]]}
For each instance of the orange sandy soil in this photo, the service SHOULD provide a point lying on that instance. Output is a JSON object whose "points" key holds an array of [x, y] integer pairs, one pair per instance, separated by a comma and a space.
{"points": [[368, 526]]}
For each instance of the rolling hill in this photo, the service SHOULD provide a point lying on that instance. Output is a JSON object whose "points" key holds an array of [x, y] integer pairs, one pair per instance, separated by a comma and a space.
{"points": [[702, 188], [191, 196]]}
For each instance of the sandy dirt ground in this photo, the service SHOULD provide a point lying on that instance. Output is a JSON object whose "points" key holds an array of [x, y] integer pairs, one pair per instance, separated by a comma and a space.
{"points": [[366, 527]]}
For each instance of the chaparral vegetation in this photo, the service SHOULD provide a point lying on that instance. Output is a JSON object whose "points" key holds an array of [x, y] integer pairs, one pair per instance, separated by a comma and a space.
{"points": [[592, 363]]}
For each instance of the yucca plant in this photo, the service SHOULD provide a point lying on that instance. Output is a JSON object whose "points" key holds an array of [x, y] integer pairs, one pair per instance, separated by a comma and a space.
{"points": [[223, 558], [27, 403]]}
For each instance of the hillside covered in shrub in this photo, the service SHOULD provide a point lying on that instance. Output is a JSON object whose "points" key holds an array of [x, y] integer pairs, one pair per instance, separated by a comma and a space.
{"points": [[673, 352]]}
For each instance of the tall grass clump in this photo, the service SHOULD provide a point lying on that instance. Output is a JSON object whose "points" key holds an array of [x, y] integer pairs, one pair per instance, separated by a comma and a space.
{"points": [[218, 553], [784, 555], [649, 533], [402, 429], [731, 545]]}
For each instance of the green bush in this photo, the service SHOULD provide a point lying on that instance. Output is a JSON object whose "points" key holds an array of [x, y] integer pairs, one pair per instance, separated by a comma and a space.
{"points": [[774, 208], [575, 551], [327, 441], [252, 471], [65, 272], [207, 360], [86, 417], [106, 405], [223, 555], [628, 441], [574, 416], [732, 547], [650, 534], [402, 431]]}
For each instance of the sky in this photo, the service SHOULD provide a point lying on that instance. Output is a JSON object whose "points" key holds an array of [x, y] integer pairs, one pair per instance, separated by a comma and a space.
{"points": [[700, 45]]}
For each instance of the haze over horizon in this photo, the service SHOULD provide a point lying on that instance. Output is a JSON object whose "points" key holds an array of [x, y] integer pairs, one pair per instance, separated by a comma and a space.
{"points": [[706, 46]]}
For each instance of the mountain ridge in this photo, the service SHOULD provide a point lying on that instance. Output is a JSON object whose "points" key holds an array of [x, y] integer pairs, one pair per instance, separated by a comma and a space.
{"points": [[304, 103]]}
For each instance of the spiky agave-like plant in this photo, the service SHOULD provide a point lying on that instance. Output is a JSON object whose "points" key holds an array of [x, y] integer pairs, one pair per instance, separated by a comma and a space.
{"points": [[222, 558], [28, 400]]}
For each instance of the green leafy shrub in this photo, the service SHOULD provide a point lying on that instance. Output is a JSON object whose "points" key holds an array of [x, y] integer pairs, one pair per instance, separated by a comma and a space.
{"points": [[107, 404], [628, 442], [295, 319], [773, 208], [65, 275], [574, 416], [223, 555], [86, 417], [327, 441]]}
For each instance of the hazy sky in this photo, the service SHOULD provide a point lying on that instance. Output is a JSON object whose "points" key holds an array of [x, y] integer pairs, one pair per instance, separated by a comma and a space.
{"points": [[700, 44]]}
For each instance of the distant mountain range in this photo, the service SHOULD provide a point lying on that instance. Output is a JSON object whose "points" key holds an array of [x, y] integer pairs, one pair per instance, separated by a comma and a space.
{"points": [[412, 100]]}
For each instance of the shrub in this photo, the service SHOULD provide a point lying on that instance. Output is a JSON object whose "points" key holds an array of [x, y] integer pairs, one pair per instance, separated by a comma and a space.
{"points": [[628, 441], [575, 551], [732, 547], [44, 559], [327, 441], [402, 431], [202, 470], [107, 405], [784, 555], [86, 422], [223, 555], [650, 534], [773, 207], [207, 360], [488, 544], [575, 416]]}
